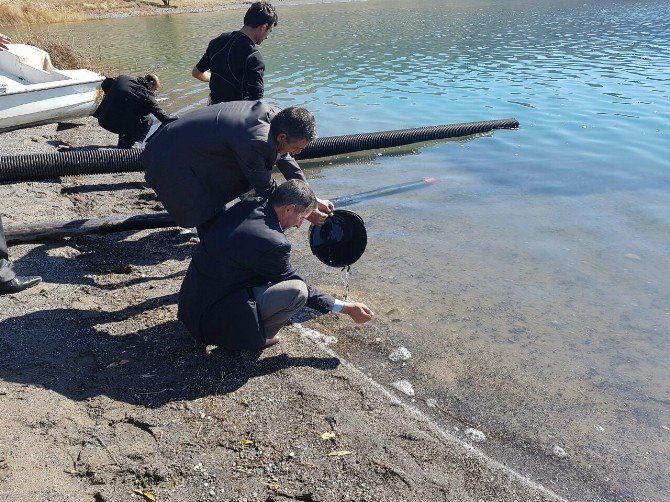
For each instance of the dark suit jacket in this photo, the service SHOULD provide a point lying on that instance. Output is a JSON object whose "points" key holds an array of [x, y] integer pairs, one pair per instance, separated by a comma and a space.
{"points": [[213, 155], [239, 249], [126, 106]]}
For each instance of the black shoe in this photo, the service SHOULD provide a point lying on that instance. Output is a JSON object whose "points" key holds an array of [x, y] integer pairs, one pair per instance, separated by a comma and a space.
{"points": [[18, 284]]}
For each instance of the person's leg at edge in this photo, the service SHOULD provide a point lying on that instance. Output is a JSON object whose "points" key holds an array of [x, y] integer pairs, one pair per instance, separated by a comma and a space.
{"points": [[277, 303], [9, 282], [6, 272]]}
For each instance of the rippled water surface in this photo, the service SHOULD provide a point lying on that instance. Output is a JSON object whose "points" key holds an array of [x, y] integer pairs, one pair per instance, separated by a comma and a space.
{"points": [[532, 282]]}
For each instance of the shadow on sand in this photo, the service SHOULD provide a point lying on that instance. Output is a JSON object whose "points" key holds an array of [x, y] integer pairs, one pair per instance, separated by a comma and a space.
{"points": [[84, 353]]}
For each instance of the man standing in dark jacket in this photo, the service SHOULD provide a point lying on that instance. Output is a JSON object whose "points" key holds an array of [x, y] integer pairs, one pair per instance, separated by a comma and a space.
{"points": [[232, 64], [126, 107], [241, 288], [207, 158]]}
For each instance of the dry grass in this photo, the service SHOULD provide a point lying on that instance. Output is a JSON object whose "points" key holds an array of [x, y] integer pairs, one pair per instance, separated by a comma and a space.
{"points": [[63, 55], [15, 12], [22, 12]]}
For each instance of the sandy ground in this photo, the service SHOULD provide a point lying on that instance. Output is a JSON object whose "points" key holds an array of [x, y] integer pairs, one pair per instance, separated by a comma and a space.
{"points": [[105, 396]]}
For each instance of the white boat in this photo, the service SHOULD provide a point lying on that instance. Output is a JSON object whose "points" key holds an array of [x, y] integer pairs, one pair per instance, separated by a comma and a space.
{"points": [[33, 92]]}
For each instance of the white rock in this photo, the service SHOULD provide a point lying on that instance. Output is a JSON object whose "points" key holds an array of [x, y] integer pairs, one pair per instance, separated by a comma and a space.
{"points": [[63, 252], [475, 434], [405, 387], [559, 452], [431, 403], [400, 354], [317, 336]]}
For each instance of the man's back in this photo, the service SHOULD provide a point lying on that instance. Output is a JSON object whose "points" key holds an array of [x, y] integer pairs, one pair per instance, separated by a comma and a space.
{"points": [[210, 156], [236, 67]]}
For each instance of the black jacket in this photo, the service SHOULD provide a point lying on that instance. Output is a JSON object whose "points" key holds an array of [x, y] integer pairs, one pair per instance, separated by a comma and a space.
{"points": [[240, 249], [211, 156], [126, 106], [237, 68]]}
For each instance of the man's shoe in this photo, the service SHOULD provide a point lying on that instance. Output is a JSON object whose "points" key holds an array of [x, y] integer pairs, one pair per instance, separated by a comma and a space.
{"points": [[18, 284]]}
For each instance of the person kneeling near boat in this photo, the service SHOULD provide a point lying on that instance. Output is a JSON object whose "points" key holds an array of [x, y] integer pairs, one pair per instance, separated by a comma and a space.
{"points": [[126, 107], [240, 287]]}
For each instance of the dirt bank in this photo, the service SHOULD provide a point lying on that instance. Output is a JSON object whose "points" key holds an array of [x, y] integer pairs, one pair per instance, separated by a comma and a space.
{"points": [[105, 396], [27, 12]]}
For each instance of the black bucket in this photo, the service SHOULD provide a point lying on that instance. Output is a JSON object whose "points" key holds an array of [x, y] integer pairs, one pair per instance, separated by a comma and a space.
{"points": [[341, 240]]}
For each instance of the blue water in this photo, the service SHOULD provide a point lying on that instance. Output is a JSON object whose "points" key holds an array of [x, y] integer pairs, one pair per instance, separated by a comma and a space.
{"points": [[532, 283]]}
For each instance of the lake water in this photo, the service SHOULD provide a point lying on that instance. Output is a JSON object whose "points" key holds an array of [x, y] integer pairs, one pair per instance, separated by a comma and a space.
{"points": [[532, 282]]}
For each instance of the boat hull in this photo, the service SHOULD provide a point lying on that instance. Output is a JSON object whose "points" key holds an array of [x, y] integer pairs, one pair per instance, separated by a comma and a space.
{"points": [[48, 105]]}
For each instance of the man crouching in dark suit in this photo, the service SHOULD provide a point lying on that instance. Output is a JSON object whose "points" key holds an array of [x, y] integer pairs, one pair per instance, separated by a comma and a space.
{"points": [[240, 288]]}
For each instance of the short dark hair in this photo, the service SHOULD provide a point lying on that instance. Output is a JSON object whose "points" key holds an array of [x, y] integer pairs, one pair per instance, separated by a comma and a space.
{"points": [[296, 123], [295, 192], [152, 79], [261, 13]]}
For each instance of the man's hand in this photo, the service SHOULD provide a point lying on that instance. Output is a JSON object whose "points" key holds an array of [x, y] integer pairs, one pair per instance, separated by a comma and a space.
{"points": [[359, 312], [4, 40], [203, 76], [322, 211], [325, 206]]}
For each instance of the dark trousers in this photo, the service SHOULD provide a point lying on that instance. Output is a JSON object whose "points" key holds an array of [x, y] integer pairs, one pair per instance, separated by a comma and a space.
{"points": [[128, 140], [6, 272]]}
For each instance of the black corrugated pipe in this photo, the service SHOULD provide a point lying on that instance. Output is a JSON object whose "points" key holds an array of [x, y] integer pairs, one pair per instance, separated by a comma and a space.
{"points": [[105, 161], [338, 145]]}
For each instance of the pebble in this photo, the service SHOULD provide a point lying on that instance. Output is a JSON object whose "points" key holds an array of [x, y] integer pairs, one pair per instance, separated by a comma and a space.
{"points": [[475, 434], [317, 336], [559, 452], [431, 403], [400, 354], [405, 387]]}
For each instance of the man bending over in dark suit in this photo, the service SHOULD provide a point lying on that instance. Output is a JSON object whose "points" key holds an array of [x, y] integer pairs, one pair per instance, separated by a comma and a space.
{"points": [[209, 157], [241, 288]]}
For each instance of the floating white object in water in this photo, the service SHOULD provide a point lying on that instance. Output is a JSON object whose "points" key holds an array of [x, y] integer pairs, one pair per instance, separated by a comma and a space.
{"points": [[632, 256], [405, 387], [317, 336], [475, 434], [400, 354], [559, 452]]}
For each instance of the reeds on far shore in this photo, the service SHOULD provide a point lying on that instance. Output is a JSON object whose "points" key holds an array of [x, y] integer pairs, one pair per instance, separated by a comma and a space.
{"points": [[24, 12], [20, 12]]}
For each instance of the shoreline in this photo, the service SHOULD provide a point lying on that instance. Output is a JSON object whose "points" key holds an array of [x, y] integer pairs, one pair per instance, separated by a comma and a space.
{"points": [[148, 410], [148, 9]]}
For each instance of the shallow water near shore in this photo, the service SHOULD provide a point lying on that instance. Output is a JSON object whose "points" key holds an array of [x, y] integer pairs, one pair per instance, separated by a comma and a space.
{"points": [[531, 283]]}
